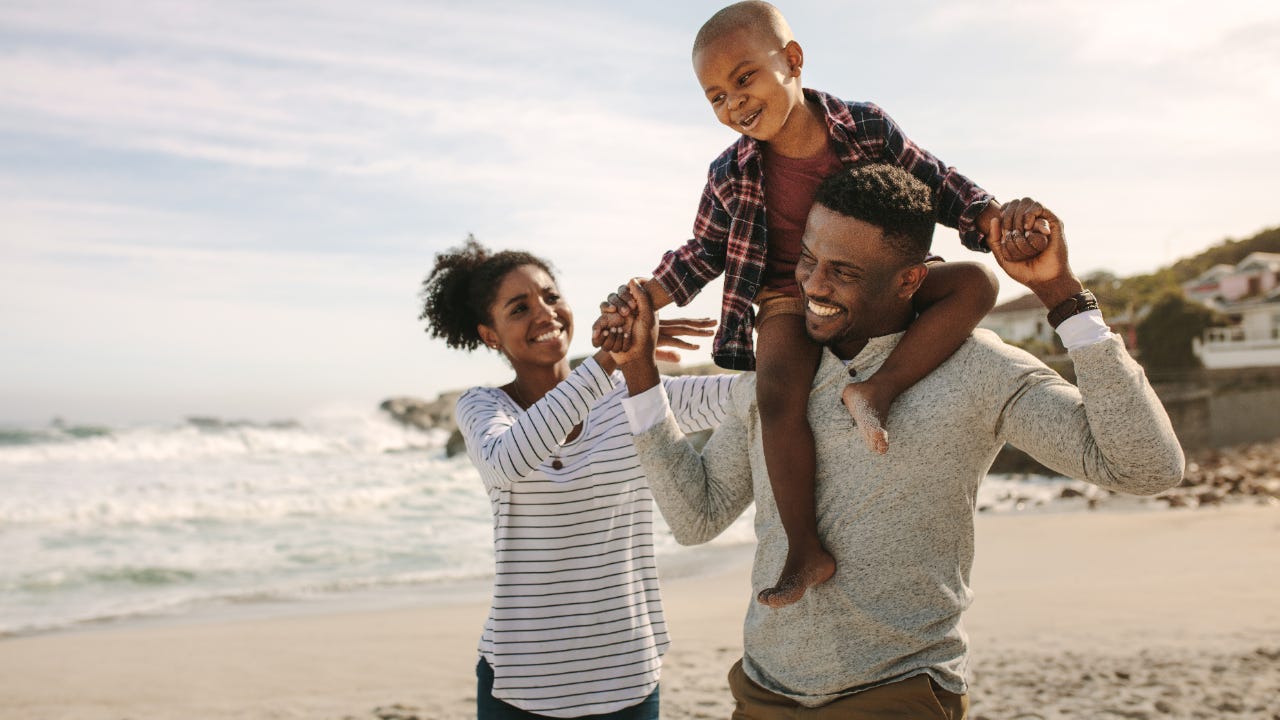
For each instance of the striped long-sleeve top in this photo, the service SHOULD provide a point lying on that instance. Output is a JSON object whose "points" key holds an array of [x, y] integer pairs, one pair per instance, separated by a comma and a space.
{"points": [[576, 626]]}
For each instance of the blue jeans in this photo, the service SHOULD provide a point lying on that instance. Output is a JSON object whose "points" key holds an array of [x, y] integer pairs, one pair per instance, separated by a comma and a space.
{"points": [[490, 708]]}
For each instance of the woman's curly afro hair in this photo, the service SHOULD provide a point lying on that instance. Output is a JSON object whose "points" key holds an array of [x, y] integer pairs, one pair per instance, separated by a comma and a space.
{"points": [[456, 295]]}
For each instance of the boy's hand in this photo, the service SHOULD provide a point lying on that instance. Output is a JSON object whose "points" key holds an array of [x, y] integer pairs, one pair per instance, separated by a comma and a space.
{"points": [[621, 301], [1047, 274], [1021, 236]]}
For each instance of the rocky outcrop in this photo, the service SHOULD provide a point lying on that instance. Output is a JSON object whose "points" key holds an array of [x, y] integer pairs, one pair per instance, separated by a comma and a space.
{"points": [[423, 414], [428, 415]]}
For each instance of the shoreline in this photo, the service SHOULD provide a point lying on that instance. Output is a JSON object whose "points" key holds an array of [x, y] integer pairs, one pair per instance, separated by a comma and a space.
{"points": [[1187, 602]]}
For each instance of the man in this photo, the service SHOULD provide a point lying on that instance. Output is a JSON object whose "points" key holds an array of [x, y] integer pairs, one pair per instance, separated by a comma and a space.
{"points": [[883, 638]]}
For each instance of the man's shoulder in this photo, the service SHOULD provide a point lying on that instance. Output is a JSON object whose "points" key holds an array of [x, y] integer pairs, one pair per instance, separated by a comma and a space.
{"points": [[985, 349]]}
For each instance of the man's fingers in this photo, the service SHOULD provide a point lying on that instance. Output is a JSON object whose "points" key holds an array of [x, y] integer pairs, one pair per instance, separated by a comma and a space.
{"points": [[1037, 240], [1031, 215], [641, 298], [667, 355]]}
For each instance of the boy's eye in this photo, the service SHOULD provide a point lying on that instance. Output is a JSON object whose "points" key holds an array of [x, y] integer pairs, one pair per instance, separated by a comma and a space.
{"points": [[717, 99], [745, 77]]}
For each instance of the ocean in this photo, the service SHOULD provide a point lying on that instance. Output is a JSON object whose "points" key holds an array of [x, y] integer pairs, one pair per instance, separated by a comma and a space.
{"points": [[106, 524]]}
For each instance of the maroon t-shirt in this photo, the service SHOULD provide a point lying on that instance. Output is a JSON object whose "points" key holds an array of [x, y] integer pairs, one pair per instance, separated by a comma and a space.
{"points": [[789, 187]]}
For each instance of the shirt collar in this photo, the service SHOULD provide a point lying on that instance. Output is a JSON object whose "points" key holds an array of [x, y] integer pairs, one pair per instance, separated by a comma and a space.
{"points": [[864, 364]]}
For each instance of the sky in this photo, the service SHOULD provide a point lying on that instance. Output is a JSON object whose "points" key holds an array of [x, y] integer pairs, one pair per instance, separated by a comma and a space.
{"points": [[227, 208]]}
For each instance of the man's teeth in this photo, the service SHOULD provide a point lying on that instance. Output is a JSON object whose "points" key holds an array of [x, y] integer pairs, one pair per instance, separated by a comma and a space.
{"points": [[549, 335], [822, 310]]}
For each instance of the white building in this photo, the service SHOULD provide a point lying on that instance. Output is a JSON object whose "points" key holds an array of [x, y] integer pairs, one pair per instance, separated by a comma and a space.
{"points": [[1250, 296], [1018, 320]]}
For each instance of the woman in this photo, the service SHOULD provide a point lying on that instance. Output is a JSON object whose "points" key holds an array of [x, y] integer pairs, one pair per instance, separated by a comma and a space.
{"points": [[576, 626]]}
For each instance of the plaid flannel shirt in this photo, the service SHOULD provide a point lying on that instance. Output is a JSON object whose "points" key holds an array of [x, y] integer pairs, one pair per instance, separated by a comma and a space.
{"points": [[729, 234]]}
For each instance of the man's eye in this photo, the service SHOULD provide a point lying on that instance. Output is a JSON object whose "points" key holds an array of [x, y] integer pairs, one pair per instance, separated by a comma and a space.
{"points": [[552, 299]]}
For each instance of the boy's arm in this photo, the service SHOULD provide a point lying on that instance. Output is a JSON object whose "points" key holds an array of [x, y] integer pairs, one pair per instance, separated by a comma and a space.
{"points": [[951, 301], [961, 204], [684, 271]]}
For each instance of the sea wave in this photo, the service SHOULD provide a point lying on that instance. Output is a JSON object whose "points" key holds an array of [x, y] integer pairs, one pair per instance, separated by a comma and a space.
{"points": [[200, 437]]}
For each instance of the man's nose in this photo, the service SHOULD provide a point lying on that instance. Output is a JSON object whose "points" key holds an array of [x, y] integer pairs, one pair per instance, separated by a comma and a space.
{"points": [[815, 281]]}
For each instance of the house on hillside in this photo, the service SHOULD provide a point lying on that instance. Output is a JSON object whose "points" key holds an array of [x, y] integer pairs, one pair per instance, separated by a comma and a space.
{"points": [[1249, 296], [1024, 319], [1020, 320]]}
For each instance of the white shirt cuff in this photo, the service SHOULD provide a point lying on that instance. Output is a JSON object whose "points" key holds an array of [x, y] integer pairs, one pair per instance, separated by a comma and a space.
{"points": [[1083, 330], [646, 410]]}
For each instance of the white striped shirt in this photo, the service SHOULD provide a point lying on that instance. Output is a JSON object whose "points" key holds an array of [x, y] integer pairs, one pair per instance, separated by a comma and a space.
{"points": [[576, 627]]}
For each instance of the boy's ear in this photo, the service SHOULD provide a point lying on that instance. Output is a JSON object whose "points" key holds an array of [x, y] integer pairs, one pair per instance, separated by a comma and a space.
{"points": [[795, 57]]}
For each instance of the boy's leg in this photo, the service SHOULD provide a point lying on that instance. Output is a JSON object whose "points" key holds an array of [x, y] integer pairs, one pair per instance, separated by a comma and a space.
{"points": [[786, 361]]}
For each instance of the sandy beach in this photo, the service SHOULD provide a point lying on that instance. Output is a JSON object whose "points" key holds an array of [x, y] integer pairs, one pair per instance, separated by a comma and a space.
{"points": [[1146, 614]]}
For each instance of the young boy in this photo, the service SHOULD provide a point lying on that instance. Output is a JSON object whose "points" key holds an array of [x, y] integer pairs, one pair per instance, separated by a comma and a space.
{"points": [[748, 65]]}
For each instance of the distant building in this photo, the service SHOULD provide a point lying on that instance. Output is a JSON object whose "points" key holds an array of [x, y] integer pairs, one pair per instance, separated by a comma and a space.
{"points": [[1024, 319], [1019, 320], [1248, 294]]}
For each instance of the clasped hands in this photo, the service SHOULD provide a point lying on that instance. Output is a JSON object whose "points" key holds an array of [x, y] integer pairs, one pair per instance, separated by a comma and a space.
{"points": [[628, 327]]}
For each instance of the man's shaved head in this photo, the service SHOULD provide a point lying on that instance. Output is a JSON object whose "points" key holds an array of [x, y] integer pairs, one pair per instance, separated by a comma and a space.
{"points": [[754, 15]]}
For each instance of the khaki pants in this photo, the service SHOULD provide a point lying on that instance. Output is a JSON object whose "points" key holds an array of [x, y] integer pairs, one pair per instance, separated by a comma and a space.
{"points": [[916, 698]]}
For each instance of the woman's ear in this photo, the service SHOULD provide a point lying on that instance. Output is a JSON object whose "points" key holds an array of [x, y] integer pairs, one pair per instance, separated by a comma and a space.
{"points": [[488, 336]]}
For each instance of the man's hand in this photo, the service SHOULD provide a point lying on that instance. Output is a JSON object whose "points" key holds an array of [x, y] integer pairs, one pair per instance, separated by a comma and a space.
{"points": [[637, 360], [1047, 274], [1026, 240]]}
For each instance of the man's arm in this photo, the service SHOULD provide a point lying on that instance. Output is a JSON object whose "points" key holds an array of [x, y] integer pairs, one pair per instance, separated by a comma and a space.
{"points": [[1110, 429], [699, 495]]}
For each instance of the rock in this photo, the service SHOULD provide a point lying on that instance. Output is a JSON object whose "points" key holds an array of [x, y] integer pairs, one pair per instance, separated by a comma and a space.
{"points": [[1164, 706], [1070, 492], [456, 445], [423, 414]]}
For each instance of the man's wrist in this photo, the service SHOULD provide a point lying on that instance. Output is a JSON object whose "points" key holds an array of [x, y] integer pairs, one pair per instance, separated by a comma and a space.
{"points": [[640, 375], [1081, 302], [1054, 292]]}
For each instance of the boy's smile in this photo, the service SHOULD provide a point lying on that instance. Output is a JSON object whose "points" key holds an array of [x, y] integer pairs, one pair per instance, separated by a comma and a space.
{"points": [[753, 85]]}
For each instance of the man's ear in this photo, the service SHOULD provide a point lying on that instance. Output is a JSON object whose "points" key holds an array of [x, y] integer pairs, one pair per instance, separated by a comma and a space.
{"points": [[910, 278], [795, 57], [488, 336]]}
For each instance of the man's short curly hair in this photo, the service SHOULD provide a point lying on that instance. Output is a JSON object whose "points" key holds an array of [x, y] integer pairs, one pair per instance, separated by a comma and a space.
{"points": [[888, 197], [456, 295]]}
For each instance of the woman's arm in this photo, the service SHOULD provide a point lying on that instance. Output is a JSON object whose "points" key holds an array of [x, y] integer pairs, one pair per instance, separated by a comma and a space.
{"points": [[506, 446], [699, 402]]}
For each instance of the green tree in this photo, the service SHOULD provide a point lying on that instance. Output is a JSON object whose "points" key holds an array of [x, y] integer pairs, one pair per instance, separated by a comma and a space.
{"points": [[1165, 334]]}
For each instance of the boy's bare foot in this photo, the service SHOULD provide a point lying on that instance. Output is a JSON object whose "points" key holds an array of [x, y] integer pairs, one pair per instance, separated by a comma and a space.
{"points": [[801, 572], [869, 408]]}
